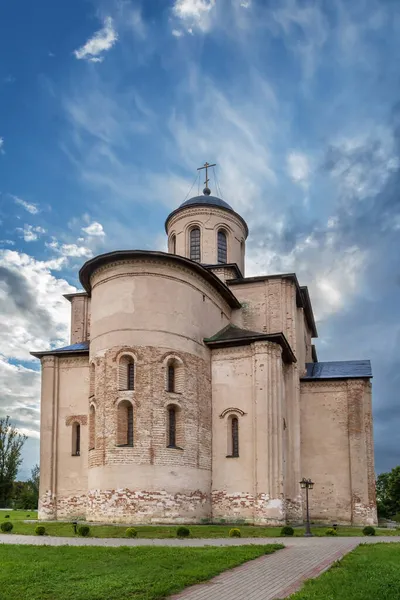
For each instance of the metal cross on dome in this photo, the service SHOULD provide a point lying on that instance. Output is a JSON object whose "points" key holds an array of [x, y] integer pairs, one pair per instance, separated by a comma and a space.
{"points": [[206, 166]]}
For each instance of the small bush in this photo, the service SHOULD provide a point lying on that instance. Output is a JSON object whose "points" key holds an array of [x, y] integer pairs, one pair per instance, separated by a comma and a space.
{"points": [[131, 532], [331, 531], [6, 526], [40, 530], [182, 532], [83, 530], [235, 532], [287, 530], [369, 530], [27, 516], [396, 518], [7, 517]]}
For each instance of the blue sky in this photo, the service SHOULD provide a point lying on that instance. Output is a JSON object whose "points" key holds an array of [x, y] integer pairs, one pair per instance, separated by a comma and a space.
{"points": [[107, 109]]}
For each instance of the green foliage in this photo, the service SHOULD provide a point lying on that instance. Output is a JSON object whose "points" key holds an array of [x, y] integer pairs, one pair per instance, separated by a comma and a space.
{"points": [[369, 530], [182, 532], [88, 573], [396, 517], [40, 530], [287, 530], [388, 493], [83, 530], [6, 527], [235, 532], [11, 443], [131, 532], [331, 531], [7, 516]]}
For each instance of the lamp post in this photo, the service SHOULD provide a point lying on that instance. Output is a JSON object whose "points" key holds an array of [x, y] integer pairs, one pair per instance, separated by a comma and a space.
{"points": [[307, 484]]}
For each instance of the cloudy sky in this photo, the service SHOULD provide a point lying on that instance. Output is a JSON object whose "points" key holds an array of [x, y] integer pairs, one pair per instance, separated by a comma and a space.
{"points": [[108, 107]]}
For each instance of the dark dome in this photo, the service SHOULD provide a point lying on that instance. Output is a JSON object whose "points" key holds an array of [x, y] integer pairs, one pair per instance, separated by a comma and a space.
{"points": [[206, 199]]}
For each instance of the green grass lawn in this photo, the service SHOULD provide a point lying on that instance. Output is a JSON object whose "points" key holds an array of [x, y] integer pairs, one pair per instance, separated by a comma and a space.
{"points": [[370, 572], [17, 515], [68, 573]]}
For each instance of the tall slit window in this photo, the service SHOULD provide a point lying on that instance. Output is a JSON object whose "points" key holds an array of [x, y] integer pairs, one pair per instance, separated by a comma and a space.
{"points": [[234, 426], [194, 240], [125, 424], [76, 439], [173, 244], [222, 247], [131, 376], [171, 378], [171, 427], [92, 427], [126, 373]]}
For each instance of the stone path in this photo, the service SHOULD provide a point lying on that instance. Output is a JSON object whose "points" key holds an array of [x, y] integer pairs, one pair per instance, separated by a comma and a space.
{"points": [[266, 578]]}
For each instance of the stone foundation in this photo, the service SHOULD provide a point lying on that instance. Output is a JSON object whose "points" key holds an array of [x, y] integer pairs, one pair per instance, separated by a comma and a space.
{"points": [[244, 507]]}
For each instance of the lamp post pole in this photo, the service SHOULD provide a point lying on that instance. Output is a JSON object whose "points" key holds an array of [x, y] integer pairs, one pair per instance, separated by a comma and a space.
{"points": [[307, 484]]}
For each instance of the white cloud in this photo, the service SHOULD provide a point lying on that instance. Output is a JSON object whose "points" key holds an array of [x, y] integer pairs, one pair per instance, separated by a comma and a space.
{"points": [[34, 313], [94, 229], [30, 233], [177, 33], [28, 206], [245, 4], [102, 40], [298, 167], [69, 250], [194, 13], [7, 242], [2, 145]]}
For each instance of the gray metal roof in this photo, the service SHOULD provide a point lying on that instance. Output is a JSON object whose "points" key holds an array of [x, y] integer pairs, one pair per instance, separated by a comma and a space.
{"points": [[204, 199], [80, 348], [345, 369]]}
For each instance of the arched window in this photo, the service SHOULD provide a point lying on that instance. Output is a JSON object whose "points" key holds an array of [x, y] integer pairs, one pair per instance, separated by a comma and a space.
{"points": [[126, 373], [233, 437], [194, 243], [92, 375], [174, 375], [76, 439], [92, 427], [171, 427], [222, 246], [125, 424], [172, 244]]}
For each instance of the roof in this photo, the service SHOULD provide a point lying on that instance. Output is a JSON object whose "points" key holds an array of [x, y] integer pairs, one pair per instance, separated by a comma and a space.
{"points": [[345, 369], [233, 266], [206, 200], [302, 295], [81, 348], [74, 295], [91, 265], [236, 336]]}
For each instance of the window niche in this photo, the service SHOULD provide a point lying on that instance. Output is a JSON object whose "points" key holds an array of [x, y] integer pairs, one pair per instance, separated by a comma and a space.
{"points": [[76, 439], [125, 423], [126, 373], [174, 375], [194, 244], [92, 427], [222, 247], [174, 427]]}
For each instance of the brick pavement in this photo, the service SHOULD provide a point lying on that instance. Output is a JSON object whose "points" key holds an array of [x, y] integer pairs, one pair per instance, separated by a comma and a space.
{"points": [[266, 578]]}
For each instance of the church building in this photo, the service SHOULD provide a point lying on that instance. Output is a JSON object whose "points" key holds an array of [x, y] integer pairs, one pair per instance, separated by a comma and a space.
{"points": [[191, 393]]}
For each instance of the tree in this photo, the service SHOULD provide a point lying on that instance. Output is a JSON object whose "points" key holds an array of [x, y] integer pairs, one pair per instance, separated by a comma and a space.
{"points": [[34, 486], [11, 443], [388, 493]]}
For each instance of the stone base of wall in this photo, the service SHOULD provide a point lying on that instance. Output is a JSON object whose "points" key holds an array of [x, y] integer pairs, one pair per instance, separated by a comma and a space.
{"points": [[294, 511], [70, 507], [364, 515], [246, 508]]}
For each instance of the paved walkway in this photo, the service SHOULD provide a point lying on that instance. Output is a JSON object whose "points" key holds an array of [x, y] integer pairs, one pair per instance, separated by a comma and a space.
{"points": [[266, 578]]}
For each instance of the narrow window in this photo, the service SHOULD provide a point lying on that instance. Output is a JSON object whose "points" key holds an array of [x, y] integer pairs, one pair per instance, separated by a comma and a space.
{"points": [[171, 378], [76, 439], [222, 247], [126, 373], [131, 376], [195, 244], [125, 424], [172, 246], [92, 380], [171, 427], [92, 428], [235, 437]]}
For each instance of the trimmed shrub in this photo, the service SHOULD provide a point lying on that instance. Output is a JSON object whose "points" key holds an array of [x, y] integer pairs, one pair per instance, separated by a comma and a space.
{"points": [[331, 531], [40, 530], [7, 517], [131, 532], [235, 532], [6, 526], [182, 532], [27, 516], [83, 530], [369, 530], [287, 530]]}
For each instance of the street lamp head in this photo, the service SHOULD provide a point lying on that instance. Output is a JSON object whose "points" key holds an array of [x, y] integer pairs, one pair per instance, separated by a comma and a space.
{"points": [[303, 483], [306, 483]]}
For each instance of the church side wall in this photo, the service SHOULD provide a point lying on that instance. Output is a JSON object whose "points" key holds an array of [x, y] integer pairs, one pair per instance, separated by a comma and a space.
{"points": [[336, 450], [63, 477], [248, 384]]}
